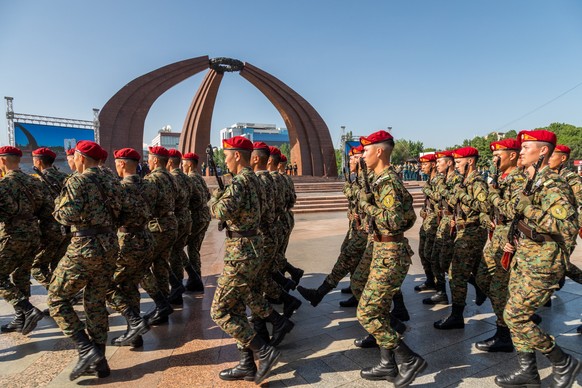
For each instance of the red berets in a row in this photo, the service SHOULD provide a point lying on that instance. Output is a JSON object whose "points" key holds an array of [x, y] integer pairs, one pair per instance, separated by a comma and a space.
{"points": [[537, 135], [44, 152], [172, 153], [443, 154], [259, 145], [357, 150], [159, 151], [427, 158], [505, 144], [190, 156], [283, 158], [465, 152], [274, 150], [237, 143], [127, 153], [375, 138], [9, 150], [90, 149], [563, 148]]}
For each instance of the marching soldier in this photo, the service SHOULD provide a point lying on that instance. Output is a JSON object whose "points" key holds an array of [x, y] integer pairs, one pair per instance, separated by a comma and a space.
{"points": [[469, 199], [390, 206], [492, 278], [22, 199], [90, 204], [200, 221], [240, 207], [547, 226]]}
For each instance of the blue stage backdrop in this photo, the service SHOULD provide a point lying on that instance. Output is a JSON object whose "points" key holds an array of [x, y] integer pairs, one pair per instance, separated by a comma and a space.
{"points": [[29, 137]]}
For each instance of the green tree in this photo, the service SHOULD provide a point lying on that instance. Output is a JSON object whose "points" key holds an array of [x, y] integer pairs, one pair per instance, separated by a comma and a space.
{"points": [[405, 150], [286, 150]]}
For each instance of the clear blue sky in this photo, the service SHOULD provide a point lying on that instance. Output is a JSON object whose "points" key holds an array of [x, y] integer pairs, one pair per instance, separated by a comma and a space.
{"points": [[435, 71]]}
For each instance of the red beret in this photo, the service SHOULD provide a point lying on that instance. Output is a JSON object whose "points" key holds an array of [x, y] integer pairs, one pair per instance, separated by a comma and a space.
{"points": [[537, 135], [172, 153], [357, 150], [9, 150], [237, 143], [465, 152], [283, 158], [190, 156], [375, 138], [90, 149], [159, 151], [44, 152], [505, 144], [427, 158], [259, 145], [274, 150], [443, 154], [104, 154], [127, 153], [70, 151], [563, 148]]}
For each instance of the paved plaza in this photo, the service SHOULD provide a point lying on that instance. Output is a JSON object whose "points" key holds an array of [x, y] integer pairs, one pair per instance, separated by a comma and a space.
{"points": [[191, 349]]}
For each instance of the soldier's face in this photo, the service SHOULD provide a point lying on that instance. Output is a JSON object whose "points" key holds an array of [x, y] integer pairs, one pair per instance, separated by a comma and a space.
{"points": [[442, 164], [3, 163], [426, 167], [371, 156], [119, 164], [354, 160], [461, 165], [530, 153], [79, 159], [230, 160], [71, 162], [556, 159]]}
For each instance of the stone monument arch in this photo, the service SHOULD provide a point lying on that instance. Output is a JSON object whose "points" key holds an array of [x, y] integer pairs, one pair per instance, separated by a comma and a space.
{"points": [[123, 117]]}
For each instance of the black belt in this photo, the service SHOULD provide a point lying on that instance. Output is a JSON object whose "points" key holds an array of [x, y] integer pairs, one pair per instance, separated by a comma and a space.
{"points": [[384, 238], [131, 229], [241, 233], [93, 231]]}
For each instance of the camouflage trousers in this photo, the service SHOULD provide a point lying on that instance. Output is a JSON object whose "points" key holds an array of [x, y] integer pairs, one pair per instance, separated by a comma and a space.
{"points": [[574, 273], [467, 254], [388, 270], [195, 239], [267, 285], [491, 277], [531, 284], [157, 273], [359, 278], [52, 248], [352, 250], [89, 263], [135, 253], [178, 255], [285, 228], [427, 235], [442, 252], [16, 252]]}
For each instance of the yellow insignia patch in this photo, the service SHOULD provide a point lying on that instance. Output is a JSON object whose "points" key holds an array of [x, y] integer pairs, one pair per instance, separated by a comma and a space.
{"points": [[63, 201], [481, 197], [388, 201], [558, 212]]}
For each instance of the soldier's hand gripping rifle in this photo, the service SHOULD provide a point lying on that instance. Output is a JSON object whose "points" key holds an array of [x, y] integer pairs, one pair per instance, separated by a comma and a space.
{"points": [[512, 234], [495, 185], [53, 188], [212, 167], [372, 228]]}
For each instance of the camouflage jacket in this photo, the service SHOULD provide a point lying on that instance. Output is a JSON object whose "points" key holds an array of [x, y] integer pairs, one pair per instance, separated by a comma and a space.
{"points": [[501, 199], [470, 198], [22, 200], [135, 212], [282, 195], [431, 192], [161, 195], [184, 187], [575, 182], [269, 185], [446, 190], [291, 195], [240, 204], [199, 199]]}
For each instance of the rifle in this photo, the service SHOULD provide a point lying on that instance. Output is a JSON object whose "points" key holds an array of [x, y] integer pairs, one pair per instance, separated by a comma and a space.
{"points": [[212, 167], [495, 185], [512, 234], [53, 188], [372, 227]]}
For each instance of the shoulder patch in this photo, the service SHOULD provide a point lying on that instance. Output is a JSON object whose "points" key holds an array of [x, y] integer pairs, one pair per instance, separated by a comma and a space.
{"points": [[558, 212], [481, 197], [388, 201]]}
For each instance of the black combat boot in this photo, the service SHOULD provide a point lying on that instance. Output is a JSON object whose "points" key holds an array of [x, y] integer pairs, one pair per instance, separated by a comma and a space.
{"points": [[440, 297], [315, 296], [290, 304], [525, 376], [411, 364], [385, 370], [480, 296], [16, 324], [245, 370], [453, 321], [548, 303], [281, 326], [536, 318], [89, 354], [100, 369], [161, 311], [399, 310], [565, 368], [500, 342], [296, 273], [286, 284], [260, 326], [135, 326], [268, 356], [176, 291], [347, 290], [351, 302], [194, 283], [397, 325], [366, 342], [428, 285], [31, 316], [137, 342]]}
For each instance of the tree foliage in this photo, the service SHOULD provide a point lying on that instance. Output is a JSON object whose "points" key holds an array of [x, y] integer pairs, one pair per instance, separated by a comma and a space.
{"points": [[405, 150]]}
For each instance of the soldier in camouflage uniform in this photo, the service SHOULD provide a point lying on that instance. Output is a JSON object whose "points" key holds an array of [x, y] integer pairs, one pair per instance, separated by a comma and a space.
{"points": [[470, 200], [185, 191], [54, 237], [200, 221], [136, 246], [22, 199], [390, 206], [428, 213], [507, 181], [160, 193], [355, 241], [442, 251], [90, 204], [548, 225], [239, 207]]}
